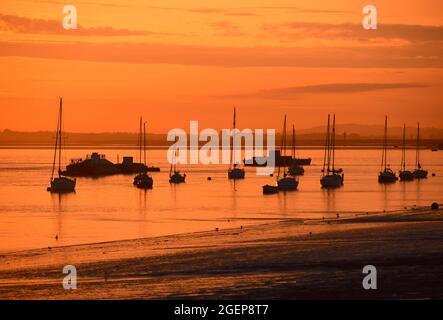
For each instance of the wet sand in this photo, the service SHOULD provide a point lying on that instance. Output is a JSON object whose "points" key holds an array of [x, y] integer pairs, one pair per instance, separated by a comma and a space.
{"points": [[291, 259]]}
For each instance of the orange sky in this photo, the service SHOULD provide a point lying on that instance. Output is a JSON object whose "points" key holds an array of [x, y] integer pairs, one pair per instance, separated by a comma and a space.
{"points": [[180, 60]]}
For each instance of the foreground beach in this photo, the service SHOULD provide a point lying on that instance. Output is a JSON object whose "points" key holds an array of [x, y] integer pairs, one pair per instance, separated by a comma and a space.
{"points": [[291, 259]]}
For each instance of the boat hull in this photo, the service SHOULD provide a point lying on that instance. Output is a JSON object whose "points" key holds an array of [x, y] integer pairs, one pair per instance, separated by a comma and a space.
{"points": [[279, 161], [296, 171], [62, 185], [332, 181], [287, 184], [143, 181], [177, 178], [406, 176], [420, 174], [235, 174], [387, 177], [268, 189]]}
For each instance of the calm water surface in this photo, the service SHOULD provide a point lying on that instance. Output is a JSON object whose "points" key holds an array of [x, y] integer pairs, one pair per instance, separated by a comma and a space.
{"points": [[111, 208]]}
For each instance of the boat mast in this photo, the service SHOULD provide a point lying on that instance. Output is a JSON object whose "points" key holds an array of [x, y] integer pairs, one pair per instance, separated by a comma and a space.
{"points": [[282, 150], [60, 139], [293, 141], [385, 146], [417, 153], [144, 143], [233, 141], [140, 141], [56, 144], [403, 153], [326, 155], [333, 145]]}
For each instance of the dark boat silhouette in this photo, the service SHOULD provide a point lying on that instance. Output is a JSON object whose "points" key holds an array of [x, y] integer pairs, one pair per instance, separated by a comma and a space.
{"points": [[331, 178], [405, 175], [282, 161], [96, 165], [234, 172], [295, 169], [143, 180], [419, 172], [174, 175], [60, 184], [386, 175]]}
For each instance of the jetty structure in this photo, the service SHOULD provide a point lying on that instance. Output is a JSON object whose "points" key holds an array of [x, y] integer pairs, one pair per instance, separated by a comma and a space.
{"points": [[96, 165]]}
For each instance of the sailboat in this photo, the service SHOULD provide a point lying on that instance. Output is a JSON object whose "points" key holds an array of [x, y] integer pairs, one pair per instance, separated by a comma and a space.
{"points": [[419, 173], [174, 175], [60, 184], [143, 180], [405, 175], [331, 177], [386, 175], [295, 169], [234, 172], [287, 182]]}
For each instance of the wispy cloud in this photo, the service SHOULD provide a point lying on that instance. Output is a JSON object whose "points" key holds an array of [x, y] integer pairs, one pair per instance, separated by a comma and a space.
{"points": [[409, 56], [290, 93], [411, 33], [17, 24], [226, 28]]}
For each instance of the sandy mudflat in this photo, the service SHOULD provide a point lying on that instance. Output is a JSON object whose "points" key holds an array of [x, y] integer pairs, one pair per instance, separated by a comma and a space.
{"points": [[292, 259]]}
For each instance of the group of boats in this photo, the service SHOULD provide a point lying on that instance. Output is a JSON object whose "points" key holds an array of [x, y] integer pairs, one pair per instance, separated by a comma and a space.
{"points": [[97, 165], [387, 175], [287, 179], [289, 167]]}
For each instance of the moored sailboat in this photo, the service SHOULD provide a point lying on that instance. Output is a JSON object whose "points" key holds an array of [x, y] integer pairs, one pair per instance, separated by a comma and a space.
{"points": [[143, 180], [286, 182], [234, 172], [386, 175], [60, 184], [295, 169], [405, 175], [331, 177], [175, 176], [419, 172]]}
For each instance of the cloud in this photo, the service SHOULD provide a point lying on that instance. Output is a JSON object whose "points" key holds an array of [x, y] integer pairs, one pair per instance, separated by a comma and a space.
{"points": [[411, 33], [227, 28], [410, 56], [331, 88], [19, 24]]}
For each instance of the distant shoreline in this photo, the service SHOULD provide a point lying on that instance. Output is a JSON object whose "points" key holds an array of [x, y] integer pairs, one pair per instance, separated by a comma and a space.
{"points": [[165, 147]]}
